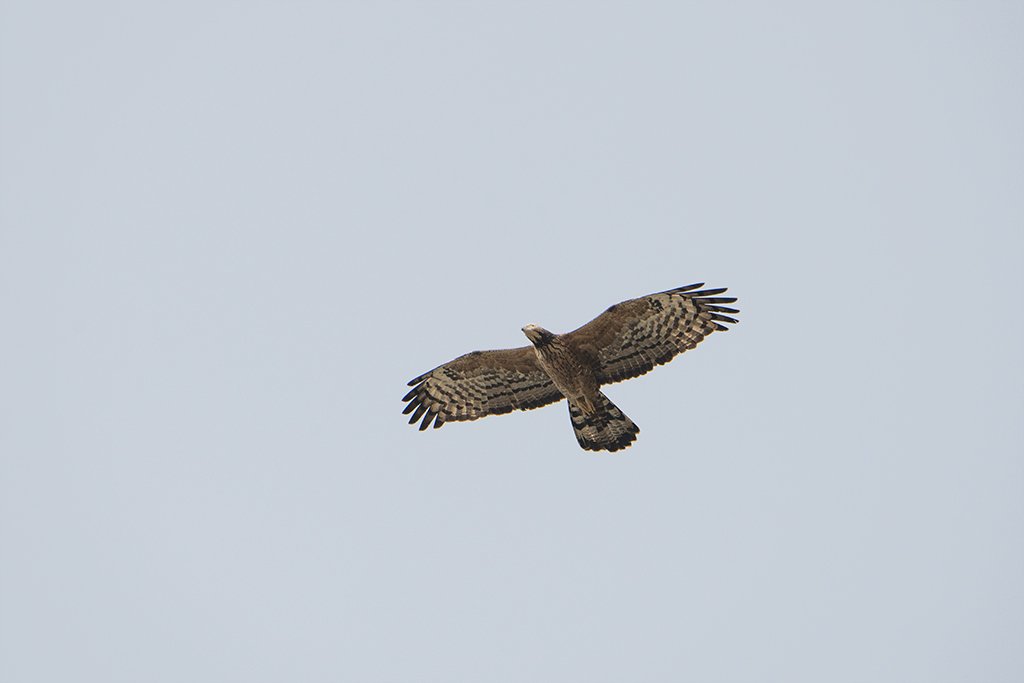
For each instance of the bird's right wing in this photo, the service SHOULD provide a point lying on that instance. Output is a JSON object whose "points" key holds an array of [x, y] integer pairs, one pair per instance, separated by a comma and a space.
{"points": [[631, 338], [479, 384]]}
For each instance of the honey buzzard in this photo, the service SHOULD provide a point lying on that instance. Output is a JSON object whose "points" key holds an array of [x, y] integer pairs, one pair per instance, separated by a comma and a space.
{"points": [[625, 341]]}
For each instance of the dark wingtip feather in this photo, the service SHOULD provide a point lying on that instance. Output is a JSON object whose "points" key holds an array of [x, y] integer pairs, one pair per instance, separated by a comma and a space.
{"points": [[411, 394], [427, 419], [723, 318], [420, 409], [687, 288], [709, 292], [411, 406], [438, 421]]}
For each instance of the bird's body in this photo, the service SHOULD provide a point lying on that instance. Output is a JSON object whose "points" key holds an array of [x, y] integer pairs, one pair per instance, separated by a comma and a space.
{"points": [[625, 341], [571, 374]]}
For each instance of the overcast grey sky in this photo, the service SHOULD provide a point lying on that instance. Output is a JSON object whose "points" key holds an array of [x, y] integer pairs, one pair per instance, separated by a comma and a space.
{"points": [[230, 232]]}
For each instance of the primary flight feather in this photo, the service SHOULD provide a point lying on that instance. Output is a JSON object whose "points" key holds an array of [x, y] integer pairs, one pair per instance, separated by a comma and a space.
{"points": [[625, 341]]}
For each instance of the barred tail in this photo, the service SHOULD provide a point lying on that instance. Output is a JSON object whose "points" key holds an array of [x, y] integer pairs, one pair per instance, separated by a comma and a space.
{"points": [[606, 429]]}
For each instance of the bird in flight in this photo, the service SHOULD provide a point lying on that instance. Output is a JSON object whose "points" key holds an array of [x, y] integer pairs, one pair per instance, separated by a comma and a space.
{"points": [[625, 341]]}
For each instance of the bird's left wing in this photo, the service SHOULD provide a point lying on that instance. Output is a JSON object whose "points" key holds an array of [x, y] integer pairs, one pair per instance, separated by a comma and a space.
{"points": [[479, 384], [631, 338]]}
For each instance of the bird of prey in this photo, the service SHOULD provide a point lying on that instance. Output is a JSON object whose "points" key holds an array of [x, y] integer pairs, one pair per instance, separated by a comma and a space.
{"points": [[625, 341]]}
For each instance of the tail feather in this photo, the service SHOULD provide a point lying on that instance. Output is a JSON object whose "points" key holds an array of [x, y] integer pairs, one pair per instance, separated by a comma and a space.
{"points": [[605, 429]]}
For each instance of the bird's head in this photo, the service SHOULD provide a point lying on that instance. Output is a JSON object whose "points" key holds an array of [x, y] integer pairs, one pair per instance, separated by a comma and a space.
{"points": [[537, 334]]}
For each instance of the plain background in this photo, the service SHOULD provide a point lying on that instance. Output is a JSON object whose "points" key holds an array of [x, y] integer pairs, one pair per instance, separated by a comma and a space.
{"points": [[231, 231]]}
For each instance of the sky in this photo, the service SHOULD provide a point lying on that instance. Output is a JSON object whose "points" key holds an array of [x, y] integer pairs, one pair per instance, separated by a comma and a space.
{"points": [[231, 232]]}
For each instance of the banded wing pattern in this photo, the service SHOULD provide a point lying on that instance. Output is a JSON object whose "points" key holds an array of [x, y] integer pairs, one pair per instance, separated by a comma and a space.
{"points": [[479, 384], [631, 338]]}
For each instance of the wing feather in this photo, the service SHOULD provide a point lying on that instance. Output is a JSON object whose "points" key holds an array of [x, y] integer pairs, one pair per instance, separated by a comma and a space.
{"points": [[478, 384], [631, 338]]}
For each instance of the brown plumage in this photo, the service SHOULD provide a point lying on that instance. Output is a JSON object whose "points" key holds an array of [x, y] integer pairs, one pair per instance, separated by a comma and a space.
{"points": [[625, 341]]}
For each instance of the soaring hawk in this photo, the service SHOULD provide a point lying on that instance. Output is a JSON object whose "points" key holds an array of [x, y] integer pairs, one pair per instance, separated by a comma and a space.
{"points": [[625, 341]]}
